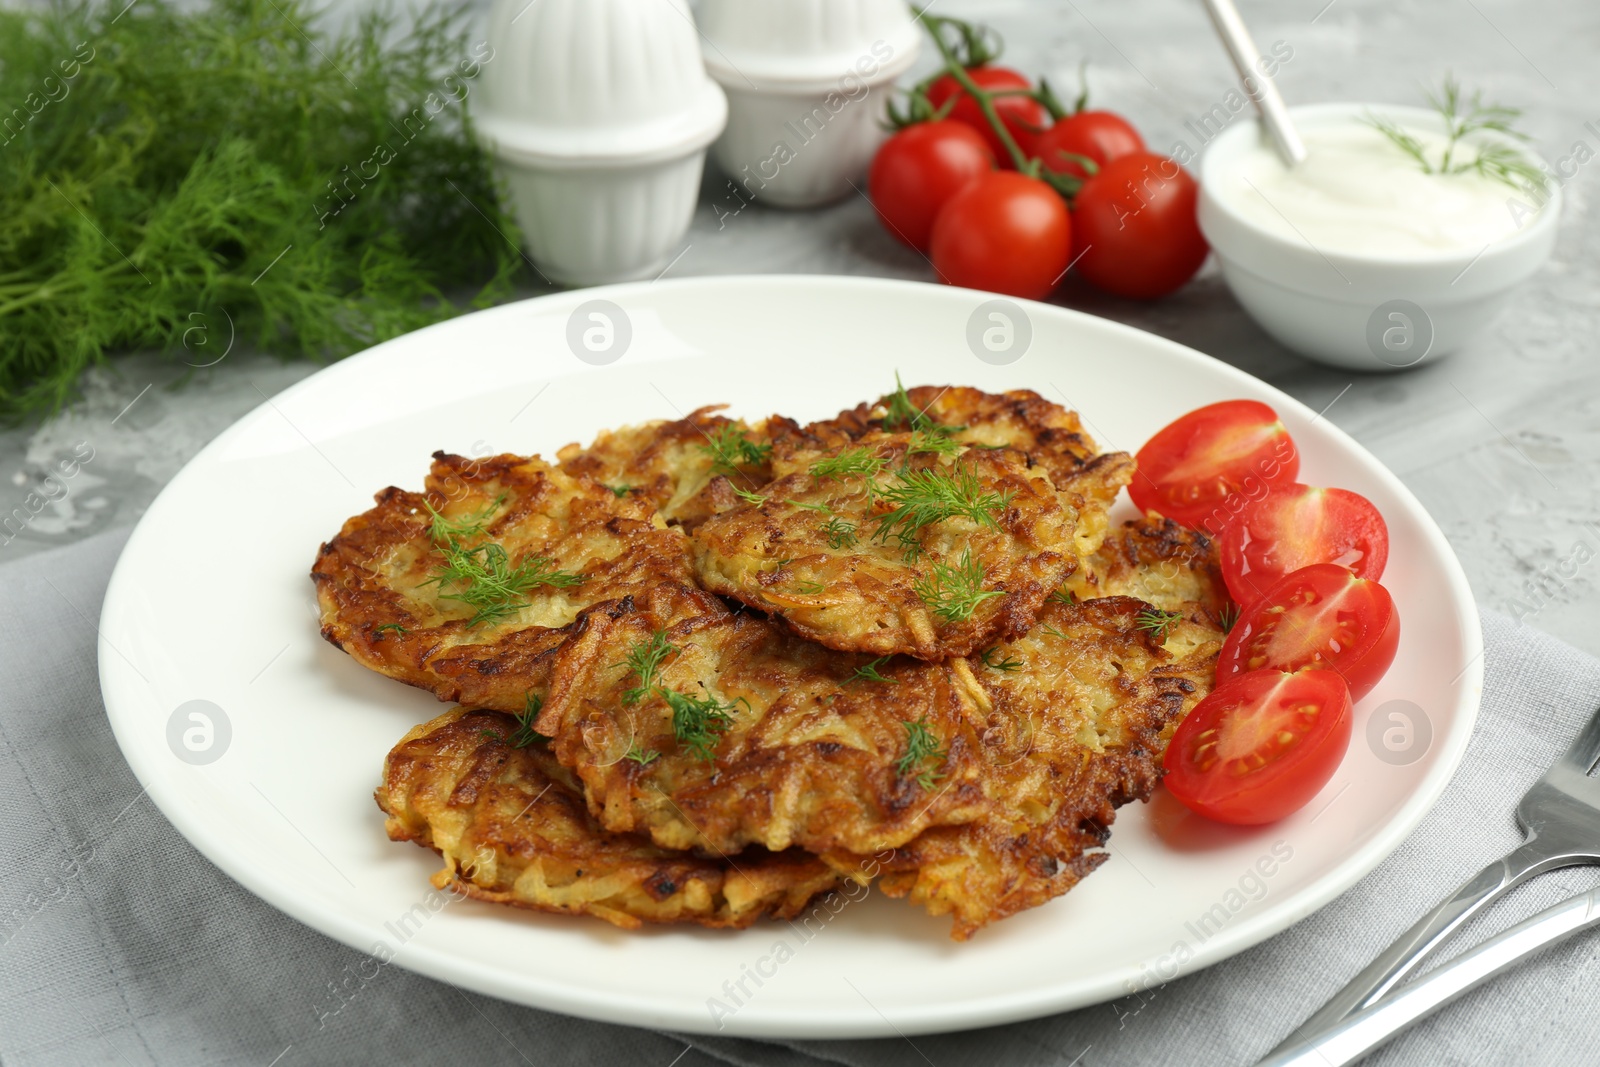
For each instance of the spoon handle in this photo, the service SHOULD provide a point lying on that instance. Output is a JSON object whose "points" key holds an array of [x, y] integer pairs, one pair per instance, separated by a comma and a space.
{"points": [[1252, 71]]}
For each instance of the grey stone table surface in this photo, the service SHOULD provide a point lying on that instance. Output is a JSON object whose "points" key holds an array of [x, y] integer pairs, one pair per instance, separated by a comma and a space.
{"points": [[1500, 442]]}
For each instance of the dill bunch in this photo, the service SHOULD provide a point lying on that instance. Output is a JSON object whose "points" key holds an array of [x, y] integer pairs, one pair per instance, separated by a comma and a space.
{"points": [[163, 170]]}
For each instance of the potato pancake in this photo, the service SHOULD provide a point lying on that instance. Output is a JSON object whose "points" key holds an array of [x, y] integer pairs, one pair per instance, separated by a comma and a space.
{"points": [[715, 730], [1078, 712], [1166, 565], [512, 829], [688, 468], [466, 589], [904, 543]]}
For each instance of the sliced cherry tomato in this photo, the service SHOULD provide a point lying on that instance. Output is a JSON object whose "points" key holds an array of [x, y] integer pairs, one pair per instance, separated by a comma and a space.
{"points": [[1319, 616], [920, 168], [1098, 135], [1260, 746], [1136, 228], [1004, 232], [1294, 526], [1022, 116], [1202, 468]]}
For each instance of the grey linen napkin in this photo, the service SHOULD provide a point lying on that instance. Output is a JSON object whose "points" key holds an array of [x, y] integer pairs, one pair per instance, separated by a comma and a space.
{"points": [[120, 944]]}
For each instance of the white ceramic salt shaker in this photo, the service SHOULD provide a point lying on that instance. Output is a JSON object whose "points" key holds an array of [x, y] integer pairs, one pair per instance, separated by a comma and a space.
{"points": [[807, 82], [598, 114]]}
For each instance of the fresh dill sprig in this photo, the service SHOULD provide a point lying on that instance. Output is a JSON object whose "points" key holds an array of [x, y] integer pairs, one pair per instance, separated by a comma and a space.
{"points": [[851, 463], [730, 449], [922, 749], [902, 414], [525, 734], [930, 441], [748, 496], [441, 529], [1063, 596], [1157, 623], [824, 508], [1464, 116], [644, 661], [996, 660], [809, 588], [378, 631], [699, 722], [954, 593], [868, 672], [1052, 631], [841, 533], [641, 756], [1228, 617], [483, 578], [620, 491], [922, 498]]}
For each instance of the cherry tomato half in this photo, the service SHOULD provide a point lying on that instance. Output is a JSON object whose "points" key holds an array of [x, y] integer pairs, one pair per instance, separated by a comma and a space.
{"points": [[920, 168], [1319, 616], [1294, 526], [1099, 135], [1260, 746], [1137, 235], [1004, 232], [1203, 468], [1022, 116]]}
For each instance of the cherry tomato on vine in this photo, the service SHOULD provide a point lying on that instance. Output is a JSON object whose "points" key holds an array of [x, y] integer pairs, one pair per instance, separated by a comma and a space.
{"points": [[1204, 467], [920, 168], [1099, 135], [1022, 116], [1320, 616], [1294, 526], [1260, 746], [1136, 229], [1004, 232]]}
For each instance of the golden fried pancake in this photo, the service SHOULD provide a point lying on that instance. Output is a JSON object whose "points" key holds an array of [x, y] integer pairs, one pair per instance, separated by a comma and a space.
{"points": [[891, 547], [1169, 566], [466, 589], [688, 468], [1077, 715], [715, 730], [512, 829]]}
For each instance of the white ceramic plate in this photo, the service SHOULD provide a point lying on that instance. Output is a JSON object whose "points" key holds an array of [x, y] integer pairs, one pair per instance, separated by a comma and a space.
{"points": [[211, 601]]}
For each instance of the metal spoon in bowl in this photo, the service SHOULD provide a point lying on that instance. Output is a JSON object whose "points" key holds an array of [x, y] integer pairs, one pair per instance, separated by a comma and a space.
{"points": [[1252, 71]]}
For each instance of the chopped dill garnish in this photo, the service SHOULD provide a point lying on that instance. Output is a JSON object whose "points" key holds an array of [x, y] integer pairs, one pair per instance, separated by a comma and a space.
{"points": [[826, 509], [377, 631], [851, 463], [730, 449], [995, 660], [1228, 617], [809, 588], [1157, 623], [484, 578], [640, 756], [1063, 596], [922, 748], [445, 530], [525, 734], [1464, 116], [747, 496], [841, 533], [923, 498], [620, 491], [868, 672], [644, 661], [698, 722], [954, 593]]}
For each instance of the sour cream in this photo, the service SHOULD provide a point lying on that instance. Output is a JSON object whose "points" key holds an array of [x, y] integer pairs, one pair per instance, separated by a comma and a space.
{"points": [[1359, 193]]}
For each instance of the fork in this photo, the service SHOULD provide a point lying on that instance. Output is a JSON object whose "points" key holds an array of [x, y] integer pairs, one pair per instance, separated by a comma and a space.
{"points": [[1560, 821]]}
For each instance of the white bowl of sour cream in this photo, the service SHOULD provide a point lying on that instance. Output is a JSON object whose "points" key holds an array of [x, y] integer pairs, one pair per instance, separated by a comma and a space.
{"points": [[1358, 257]]}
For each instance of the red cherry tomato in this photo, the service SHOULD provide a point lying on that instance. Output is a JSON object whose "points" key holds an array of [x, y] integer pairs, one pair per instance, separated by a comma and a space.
{"points": [[1260, 746], [1136, 227], [920, 168], [1204, 467], [1294, 526], [1022, 116], [1099, 135], [1006, 233], [1320, 616]]}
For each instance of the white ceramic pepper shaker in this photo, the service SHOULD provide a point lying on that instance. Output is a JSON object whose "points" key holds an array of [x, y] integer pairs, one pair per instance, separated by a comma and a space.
{"points": [[807, 82], [598, 114]]}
